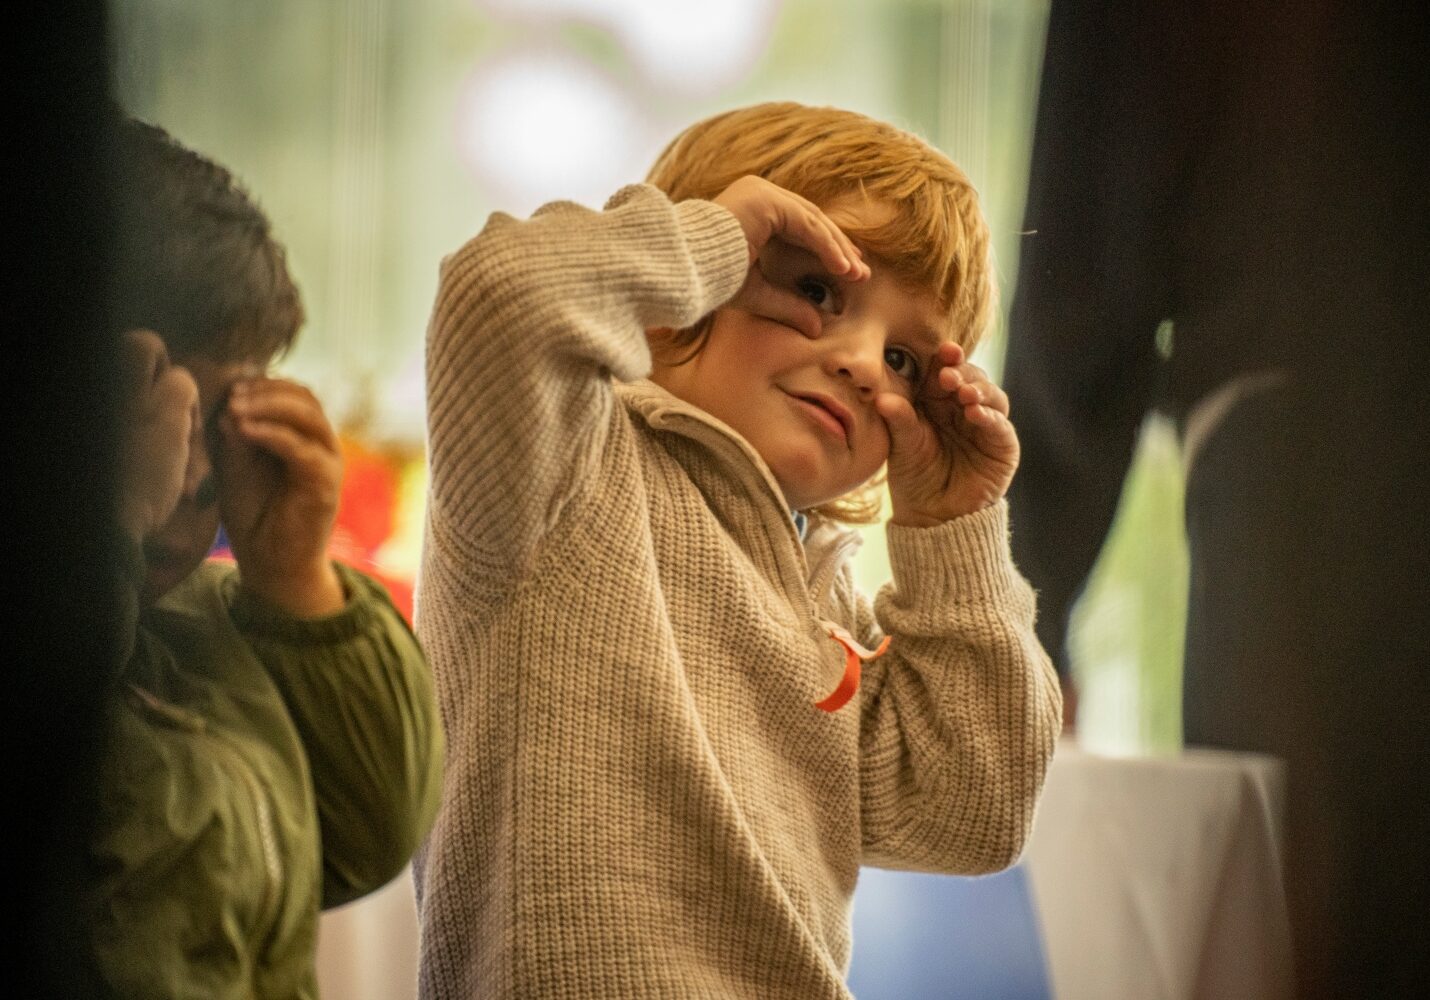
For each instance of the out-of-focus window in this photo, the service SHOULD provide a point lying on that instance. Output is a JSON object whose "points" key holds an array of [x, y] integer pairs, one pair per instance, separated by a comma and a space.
{"points": [[379, 135]]}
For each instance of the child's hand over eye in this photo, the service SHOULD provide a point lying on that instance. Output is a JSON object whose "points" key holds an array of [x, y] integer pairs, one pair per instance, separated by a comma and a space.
{"points": [[161, 417], [776, 219], [280, 472], [957, 452]]}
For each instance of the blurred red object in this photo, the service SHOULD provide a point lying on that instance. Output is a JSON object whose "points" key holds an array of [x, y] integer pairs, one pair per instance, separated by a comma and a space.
{"points": [[367, 514]]}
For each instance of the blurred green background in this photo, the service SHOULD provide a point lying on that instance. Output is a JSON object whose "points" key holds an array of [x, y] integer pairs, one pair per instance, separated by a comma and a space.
{"points": [[378, 135]]}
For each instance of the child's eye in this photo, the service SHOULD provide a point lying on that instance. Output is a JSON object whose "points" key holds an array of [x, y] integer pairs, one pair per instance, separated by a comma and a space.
{"points": [[902, 364], [819, 292]]}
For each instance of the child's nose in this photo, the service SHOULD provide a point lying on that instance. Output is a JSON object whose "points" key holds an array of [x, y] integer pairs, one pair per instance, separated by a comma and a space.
{"points": [[858, 356]]}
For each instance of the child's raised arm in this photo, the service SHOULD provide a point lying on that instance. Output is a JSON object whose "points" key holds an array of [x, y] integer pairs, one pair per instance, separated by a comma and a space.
{"points": [[280, 472], [959, 720], [533, 320], [330, 639]]}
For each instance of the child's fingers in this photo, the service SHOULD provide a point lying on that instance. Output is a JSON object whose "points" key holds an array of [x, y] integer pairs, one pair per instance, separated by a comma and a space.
{"points": [[951, 354], [304, 458], [281, 401], [991, 433], [805, 224], [971, 385], [938, 385], [765, 210], [982, 416], [815, 232], [965, 405]]}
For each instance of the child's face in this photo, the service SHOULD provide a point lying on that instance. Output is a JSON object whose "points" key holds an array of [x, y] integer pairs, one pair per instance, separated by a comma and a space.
{"points": [[807, 405], [178, 547]]}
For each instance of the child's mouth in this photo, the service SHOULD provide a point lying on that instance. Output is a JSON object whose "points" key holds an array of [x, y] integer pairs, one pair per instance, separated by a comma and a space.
{"points": [[823, 413]]}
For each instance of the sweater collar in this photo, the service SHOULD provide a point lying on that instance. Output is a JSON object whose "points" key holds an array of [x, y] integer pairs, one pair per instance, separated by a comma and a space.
{"points": [[664, 411], [825, 542]]}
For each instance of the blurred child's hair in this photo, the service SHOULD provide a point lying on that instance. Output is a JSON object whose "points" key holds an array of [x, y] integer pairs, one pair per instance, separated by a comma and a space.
{"points": [[196, 260], [935, 236]]}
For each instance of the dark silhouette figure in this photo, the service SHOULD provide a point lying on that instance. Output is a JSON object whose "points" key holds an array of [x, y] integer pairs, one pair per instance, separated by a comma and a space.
{"points": [[1256, 173]]}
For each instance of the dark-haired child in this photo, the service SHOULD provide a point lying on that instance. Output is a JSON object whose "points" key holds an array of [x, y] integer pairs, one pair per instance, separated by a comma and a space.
{"points": [[273, 745]]}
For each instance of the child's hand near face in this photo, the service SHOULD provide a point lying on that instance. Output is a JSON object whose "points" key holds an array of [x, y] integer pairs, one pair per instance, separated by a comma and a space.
{"points": [[280, 471], [161, 417], [956, 452], [771, 215], [952, 454]]}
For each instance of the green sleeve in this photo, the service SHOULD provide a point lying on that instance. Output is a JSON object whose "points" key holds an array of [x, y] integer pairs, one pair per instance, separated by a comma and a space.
{"points": [[360, 693]]}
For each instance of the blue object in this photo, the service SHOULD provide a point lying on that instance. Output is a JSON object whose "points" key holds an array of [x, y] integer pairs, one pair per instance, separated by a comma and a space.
{"points": [[936, 937]]}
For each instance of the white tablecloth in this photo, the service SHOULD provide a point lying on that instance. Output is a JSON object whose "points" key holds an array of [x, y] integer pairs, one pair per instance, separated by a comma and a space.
{"points": [[1154, 879], [367, 950], [1160, 879]]}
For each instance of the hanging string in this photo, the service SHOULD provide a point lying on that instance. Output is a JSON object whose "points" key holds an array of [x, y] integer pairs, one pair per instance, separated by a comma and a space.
{"points": [[353, 336], [963, 86]]}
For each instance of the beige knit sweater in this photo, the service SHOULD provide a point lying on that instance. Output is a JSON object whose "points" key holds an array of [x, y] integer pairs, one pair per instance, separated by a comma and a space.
{"points": [[641, 799]]}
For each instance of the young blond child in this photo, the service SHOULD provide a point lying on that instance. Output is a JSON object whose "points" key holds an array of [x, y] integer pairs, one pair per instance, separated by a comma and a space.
{"points": [[273, 744], [646, 426]]}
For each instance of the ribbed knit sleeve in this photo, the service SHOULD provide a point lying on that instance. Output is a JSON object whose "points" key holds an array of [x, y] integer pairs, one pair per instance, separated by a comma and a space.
{"points": [[532, 321], [960, 717], [360, 694]]}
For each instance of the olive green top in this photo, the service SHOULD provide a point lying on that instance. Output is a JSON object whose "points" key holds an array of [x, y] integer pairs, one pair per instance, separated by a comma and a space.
{"points": [[259, 768]]}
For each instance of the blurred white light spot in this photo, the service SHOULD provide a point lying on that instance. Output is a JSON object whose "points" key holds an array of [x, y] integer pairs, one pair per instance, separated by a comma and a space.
{"points": [[539, 126], [692, 45]]}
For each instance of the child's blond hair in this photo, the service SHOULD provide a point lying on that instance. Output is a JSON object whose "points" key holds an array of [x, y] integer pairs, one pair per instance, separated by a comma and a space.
{"points": [[935, 237]]}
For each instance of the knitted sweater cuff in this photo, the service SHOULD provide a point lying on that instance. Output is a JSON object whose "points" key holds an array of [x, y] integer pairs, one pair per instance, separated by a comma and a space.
{"points": [[962, 561], [717, 241], [256, 617]]}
